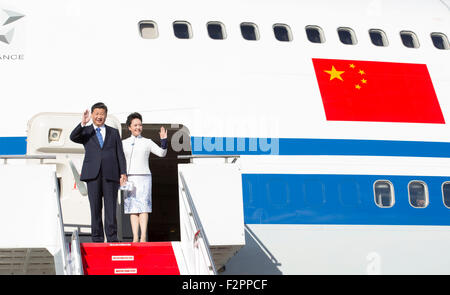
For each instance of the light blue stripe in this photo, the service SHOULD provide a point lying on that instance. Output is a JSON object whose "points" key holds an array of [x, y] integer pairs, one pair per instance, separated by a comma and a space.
{"points": [[287, 146], [303, 146]]}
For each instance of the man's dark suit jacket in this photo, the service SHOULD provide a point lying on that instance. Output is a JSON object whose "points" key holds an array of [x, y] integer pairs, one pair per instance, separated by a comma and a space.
{"points": [[110, 158]]}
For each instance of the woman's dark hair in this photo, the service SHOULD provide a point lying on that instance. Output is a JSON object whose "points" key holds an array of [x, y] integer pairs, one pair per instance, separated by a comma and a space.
{"points": [[99, 105], [133, 116]]}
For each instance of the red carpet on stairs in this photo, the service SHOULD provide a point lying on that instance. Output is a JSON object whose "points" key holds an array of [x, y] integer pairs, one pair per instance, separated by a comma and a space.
{"points": [[153, 258]]}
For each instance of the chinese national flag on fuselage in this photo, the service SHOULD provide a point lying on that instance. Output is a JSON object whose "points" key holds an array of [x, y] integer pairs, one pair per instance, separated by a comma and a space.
{"points": [[354, 90]]}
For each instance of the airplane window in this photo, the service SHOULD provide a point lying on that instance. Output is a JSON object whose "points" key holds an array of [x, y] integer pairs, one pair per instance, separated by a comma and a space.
{"points": [[249, 31], [216, 30], [314, 34], [148, 29], [384, 194], [182, 30], [446, 194], [378, 37], [347, 36], [282, 32], [418, 194], [409, 39], [440, 41]]}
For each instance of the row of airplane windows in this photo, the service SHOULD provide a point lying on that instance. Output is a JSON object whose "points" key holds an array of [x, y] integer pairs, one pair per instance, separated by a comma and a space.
{"points": [[417, 191], [283, 33]]}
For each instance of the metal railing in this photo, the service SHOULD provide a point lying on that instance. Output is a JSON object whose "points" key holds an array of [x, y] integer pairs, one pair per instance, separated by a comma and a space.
{"points": [[199, 231], [80, 184], [71, 260], [75, 254], [62, 239], [226, 157], [82, 187], [5, 158]]}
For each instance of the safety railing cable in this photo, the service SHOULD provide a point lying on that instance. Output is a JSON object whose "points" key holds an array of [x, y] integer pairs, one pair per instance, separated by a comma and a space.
{"points": [[198, 224]]}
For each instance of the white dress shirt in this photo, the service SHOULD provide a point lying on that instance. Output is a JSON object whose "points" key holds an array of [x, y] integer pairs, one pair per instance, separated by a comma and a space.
{"points": [[102, 130], [137, 151]]}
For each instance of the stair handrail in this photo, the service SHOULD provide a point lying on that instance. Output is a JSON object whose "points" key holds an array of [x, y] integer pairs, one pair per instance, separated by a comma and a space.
{"points": [[199, 231], [64, 246], [226, 157], [82, 188], [75, 254], [5, 158]]}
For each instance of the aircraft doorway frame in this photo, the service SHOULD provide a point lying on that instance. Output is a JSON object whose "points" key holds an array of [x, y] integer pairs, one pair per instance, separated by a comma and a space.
{"points": [[164, 221]]}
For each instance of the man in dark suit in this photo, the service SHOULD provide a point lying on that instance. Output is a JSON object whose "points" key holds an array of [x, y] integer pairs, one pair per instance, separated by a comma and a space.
{"points": [[104, 167]]}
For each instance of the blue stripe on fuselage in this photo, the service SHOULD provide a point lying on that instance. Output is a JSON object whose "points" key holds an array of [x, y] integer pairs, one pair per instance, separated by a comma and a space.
{"points": [[337, 199], [13, 145], [304, 146], [287, 146], [283, 198]]}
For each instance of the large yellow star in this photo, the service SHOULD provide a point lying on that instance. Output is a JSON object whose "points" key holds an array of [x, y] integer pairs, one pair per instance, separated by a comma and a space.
{"points": [[335, 74]]}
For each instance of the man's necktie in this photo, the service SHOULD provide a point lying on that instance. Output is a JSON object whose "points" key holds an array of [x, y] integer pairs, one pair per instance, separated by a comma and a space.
{"points": [[100, 137]]}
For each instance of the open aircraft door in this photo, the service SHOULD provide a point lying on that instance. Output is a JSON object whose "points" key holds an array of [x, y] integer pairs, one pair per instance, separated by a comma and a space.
{"points": [[215, 189], [49, 134]]}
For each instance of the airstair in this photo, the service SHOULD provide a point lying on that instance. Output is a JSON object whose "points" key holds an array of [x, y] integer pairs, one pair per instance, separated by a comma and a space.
{"points": [[211, 225], [44, 202], [207, 242], [32, 234]]}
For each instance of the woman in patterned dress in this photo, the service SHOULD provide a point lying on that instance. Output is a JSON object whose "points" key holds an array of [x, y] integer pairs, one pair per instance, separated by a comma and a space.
{"points": [[137, 149]]}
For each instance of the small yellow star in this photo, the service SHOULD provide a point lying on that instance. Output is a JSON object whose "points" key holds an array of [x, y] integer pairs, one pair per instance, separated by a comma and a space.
{"points": [[357, 86], [335, 74], [364, 81], [352, 66], [361, 72]]}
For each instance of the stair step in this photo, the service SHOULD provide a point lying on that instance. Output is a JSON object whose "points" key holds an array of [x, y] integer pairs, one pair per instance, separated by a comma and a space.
{"points": [[131, 271], [157, 260], [129, 258]]}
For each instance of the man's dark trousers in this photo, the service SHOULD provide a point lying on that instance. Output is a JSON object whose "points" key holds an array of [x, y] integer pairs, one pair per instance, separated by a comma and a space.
{"points": [[97, 188]]}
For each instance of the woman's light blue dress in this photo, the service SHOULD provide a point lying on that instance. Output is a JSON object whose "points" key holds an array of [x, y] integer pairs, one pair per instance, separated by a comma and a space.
{"points": [[137, 151], [139, 200]]}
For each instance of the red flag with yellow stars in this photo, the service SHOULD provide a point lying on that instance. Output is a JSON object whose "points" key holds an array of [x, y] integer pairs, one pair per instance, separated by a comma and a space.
{"points": [[354, 90]]}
